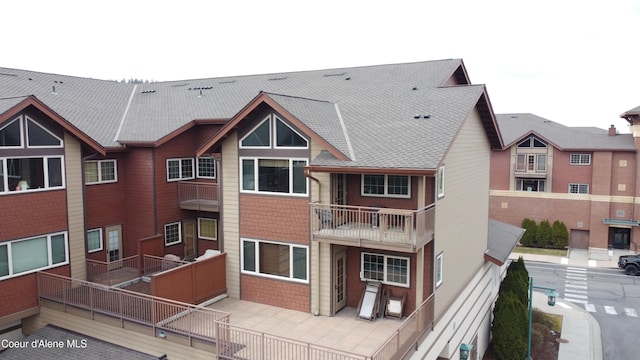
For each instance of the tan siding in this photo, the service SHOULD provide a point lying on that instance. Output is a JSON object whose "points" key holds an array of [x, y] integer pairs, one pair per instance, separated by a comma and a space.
{"points": [[75, 207], [461, 216], [231, 213]]}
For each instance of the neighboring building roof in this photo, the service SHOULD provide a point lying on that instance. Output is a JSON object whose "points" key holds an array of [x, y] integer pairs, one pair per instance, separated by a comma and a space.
{"points": [[515, 127], [94, 349], [633, 113], [374, 106], [502, 239]]}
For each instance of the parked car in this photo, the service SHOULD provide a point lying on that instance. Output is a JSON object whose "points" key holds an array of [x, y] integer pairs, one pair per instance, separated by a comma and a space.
{"points": [[630, 264]]}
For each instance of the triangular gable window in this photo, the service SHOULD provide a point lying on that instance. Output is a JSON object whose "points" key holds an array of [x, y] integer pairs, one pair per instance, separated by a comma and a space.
{"points": [[40, 137], [259, 137], [287, 137], [532, 142], [10, 134]]}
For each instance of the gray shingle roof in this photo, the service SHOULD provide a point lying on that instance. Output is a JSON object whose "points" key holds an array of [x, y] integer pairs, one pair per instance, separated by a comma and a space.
{"points": [[502, 239], [516, 126], [377, 105]]}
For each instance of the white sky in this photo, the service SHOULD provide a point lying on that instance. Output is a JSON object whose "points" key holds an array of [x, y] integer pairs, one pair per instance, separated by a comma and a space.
{"points": [[575, 62]]}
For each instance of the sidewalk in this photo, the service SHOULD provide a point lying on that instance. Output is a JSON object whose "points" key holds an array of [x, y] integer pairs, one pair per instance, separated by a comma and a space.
{"points": [[580, 330]]}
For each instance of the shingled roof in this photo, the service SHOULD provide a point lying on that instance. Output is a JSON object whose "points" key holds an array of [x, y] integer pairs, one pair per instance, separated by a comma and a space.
{"points": [[515, 127], [396, 116]]}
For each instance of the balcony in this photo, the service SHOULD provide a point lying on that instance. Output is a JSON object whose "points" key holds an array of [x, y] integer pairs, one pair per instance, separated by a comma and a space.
{"points": [[373, 227], [199, 196]]}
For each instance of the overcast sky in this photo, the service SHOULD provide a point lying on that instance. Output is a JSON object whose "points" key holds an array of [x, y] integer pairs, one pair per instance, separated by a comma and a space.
{"points": [[573, 62]]}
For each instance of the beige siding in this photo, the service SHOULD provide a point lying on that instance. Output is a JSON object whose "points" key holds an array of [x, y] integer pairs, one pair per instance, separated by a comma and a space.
{"points": [[461, 216], [231, 213], [75, 207]]}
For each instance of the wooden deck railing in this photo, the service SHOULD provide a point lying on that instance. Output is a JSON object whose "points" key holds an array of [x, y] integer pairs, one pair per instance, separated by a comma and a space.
{"points": [[115, 272], [154, 264], [352, 224], [198, 196], [194, 322]]}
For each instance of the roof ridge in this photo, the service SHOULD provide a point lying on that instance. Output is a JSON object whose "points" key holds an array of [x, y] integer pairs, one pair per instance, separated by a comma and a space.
{"points": [[297, 97]]}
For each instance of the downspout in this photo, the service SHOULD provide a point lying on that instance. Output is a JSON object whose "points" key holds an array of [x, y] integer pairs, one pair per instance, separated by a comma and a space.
{"points": [[315, 286]]}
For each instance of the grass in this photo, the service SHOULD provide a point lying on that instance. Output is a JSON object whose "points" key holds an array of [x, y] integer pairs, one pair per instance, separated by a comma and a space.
{"points": [[539, 251]]}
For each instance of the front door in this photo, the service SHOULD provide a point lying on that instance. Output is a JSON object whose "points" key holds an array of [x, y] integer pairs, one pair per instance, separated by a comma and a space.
{"points": [[189, 236], [114, 243], [340, 281], [619, 239]]}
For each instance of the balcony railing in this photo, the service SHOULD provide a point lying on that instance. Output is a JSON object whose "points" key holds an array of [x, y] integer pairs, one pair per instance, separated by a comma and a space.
{"points": [[198, 196], [114, 272], [384, 228], [154, 264]]}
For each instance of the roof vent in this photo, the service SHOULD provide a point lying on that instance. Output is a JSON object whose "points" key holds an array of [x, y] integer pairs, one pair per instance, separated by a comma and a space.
{"points": [[348, 78], [416, 116], [278, 78], [53, 90], [336, 74], [227, 82], [148, 92], [426, 116], [415, 88]]}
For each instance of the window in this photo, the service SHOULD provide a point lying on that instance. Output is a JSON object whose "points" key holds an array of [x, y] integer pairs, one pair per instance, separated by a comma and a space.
{"points": [[530, 184], [24, 256], [39, 137], [283, 135], [532, 142], [207, 167], [531, 162], [12, 135], [284, 176], [100, 171], [208, 229], [172, 234], [439, 268], [276, 260], [441, 182], [578, 188], [385, 185], [580, 159], [179, 169], [392, 270], [31, 173], [94, 240]]}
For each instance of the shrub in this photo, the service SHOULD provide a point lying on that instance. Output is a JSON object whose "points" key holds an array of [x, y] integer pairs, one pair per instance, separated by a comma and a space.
{"points": [[516, 281], [559, 235], [543, 235], [529, 236], [509, 327]]}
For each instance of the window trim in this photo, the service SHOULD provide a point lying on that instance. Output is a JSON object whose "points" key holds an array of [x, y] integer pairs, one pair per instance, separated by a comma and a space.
{"points": [[29, 121], [273, 120], [266, 119], [385, 265], [99, 168], [580, 157], [200, 236], [256, 176], [386, 187], [441, 182], [45, 169], [21, 124], [215, 172], [50, 264], [578, 186], [99, 230], [257, 272], [179, 233], [439, 269], [182, 177]]}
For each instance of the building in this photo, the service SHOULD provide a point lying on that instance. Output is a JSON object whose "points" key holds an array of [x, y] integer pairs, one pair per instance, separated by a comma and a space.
{"points": [[584, 177], [314, 184]]}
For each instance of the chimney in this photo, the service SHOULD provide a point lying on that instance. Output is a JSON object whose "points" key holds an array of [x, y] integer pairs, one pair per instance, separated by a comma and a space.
{"points": [[612, 130]]}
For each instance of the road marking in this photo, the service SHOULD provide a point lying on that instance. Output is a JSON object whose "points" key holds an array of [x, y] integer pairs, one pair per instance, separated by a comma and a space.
{"points": [[610, 310], [576, 282], [576, 301], [575, 286], [572, 291], [630, 312], [575, 296], [576, 269], [590, 307], [583, 278], [563, 305]]}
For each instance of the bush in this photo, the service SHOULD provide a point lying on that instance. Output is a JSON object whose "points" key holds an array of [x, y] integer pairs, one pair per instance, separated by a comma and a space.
{"points": [[559, 235], [529, 236], [517, 281], [509, 328], [543, 235]]}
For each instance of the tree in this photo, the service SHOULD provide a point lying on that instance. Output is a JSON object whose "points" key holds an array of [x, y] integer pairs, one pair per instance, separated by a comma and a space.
{"points": [[509, 327], [517, 281], [543, 235], [559, 235], [528, 239]]}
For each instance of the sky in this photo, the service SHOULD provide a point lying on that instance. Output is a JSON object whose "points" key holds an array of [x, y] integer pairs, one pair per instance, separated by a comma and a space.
{"points": [[569, 61]]}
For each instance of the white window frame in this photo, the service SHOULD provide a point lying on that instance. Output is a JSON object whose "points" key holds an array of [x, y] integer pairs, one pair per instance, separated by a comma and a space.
{"points": [[580, 159], [21, 124], [99, 230], [30, 121], [256, 168], [215, 224], [273, 135], [50, 264], [266, 119], [198, 168], [578, 187], [4, 178], [257, 272], [99, 169], [386, 187], [182, 176], [385, 269], [439, 268], [167, 226], [440, 182]]}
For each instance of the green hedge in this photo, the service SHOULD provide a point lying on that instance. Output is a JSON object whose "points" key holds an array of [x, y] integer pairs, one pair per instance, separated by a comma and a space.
{"points": [[544, 235]]}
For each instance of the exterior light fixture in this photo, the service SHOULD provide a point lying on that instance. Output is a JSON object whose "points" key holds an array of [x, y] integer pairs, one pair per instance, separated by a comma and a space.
{"points": [[551, 297], [465, 351]]}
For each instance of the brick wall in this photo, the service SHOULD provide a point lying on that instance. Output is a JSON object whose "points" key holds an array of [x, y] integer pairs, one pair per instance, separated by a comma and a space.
{"points": [[278, 218], [21, 293], [29, 214], [275, 292]]}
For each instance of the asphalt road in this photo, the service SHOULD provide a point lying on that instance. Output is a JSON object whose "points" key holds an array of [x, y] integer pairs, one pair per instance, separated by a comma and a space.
{"points": [[611, 297]]}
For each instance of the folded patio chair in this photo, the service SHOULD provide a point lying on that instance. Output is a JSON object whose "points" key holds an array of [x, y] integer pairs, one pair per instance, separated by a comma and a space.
{"points": [[369, 302], [394, 304]]}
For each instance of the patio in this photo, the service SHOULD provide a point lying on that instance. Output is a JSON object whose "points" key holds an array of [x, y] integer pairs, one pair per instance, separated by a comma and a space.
{"points": [[341, 332]]}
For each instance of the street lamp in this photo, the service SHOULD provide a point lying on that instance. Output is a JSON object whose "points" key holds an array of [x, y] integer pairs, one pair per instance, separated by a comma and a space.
{"points": [[465, 350], [551, 301]]}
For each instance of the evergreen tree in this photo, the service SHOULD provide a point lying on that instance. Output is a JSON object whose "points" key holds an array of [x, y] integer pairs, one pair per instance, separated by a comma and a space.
{"points": [[543, 235], [560, 235], [528, 239], [509, 336]]}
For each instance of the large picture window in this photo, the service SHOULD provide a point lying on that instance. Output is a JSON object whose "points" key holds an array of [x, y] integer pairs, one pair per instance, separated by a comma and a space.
{"points": [[100, 171], [523, 184], [278, 260], [25, 256], [386, 185], [285, 176], [392, 270], [31, 173]]}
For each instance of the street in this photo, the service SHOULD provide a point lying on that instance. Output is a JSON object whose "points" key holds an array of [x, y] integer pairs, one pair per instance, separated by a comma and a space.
{"points": [[611, 297]]}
